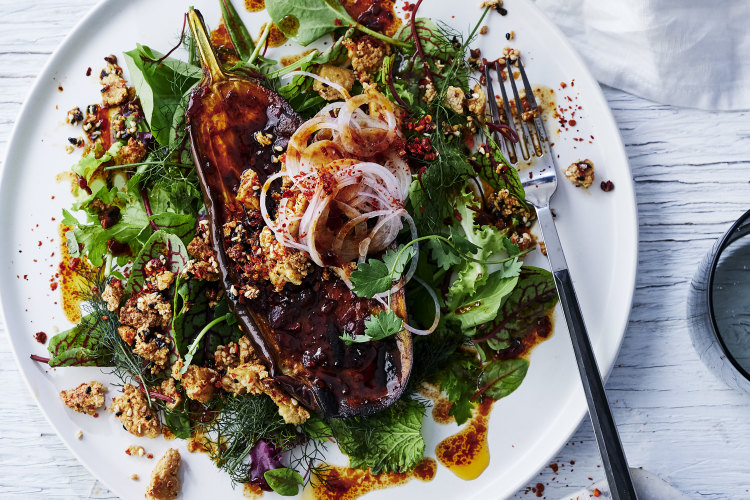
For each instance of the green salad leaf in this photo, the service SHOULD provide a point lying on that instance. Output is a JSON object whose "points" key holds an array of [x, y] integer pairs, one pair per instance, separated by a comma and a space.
{"points": [[161, 243], [459, 382], [160, 87], [91, 161], [284, 481], [387, 441], [529, 302], [500, 378], [80, 345]]}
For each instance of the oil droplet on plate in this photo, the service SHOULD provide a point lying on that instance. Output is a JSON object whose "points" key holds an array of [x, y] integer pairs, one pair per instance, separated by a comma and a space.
{"points": [[466, 453], [289, 25]]}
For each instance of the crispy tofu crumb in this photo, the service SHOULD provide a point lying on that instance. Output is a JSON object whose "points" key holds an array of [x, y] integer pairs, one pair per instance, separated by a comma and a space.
{"points": [[581, 173], [454, 98], [367, 54], [477, 101], [79, 434], [491, 3], [342, 76], [131, 407], [289, 408], [165, 485], [249, 191], [245, 378], [113, 294], [429, 93], [285, 265], [134, 477], [86, 398], [200, 383], [483, 30]]}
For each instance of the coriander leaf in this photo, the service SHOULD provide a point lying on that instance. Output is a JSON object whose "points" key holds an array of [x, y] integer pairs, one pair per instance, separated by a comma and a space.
{"points": [[285, 482], [159, 87], [160, 244], [370, 278], [377, 327], [80, 345], [531, 300], [502, 377], [444, 255], [388, 441], [396, 260]]}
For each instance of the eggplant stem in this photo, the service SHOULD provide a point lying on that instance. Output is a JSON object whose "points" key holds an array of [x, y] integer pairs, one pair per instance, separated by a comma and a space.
{"points": [[206, 53]]}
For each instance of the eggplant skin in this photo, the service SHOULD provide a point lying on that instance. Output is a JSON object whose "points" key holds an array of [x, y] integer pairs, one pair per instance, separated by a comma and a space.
{"points": [[341, 381]]}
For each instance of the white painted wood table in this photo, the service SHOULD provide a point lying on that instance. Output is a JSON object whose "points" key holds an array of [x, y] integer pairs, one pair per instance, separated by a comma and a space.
{"points": [[692, 175]]}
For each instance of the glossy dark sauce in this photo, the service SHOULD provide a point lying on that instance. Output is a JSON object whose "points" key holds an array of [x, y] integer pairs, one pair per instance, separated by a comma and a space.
{"points": [[296, 331]]}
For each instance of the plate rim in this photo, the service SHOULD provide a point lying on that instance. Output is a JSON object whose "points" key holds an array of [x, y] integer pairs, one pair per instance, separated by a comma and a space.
{"points": [[46, 72]]}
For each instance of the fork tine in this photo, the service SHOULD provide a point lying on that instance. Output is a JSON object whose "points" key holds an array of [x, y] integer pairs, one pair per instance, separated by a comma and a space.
{"points": [[525, 150], [538, 123], [508, 115], [494, 112]]}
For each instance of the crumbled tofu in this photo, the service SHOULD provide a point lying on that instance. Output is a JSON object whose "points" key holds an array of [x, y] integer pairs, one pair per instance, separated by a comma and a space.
{"points": [[127, 334], [162, 280], [132, 152], [367, 54], [165, 485], [581, 173], [263, 139], [454, 98], [289, 408], [483, 30], [86, 398], [341, 76], [203, 265], [523, 241], [285, 265], [200, 383], [79, 434], [74, 116], [152, 347], [477, 101], [131, 407], [169, 389], [245, 379], [134, 477], [113, 294], [135, 451], [494, 4], [148, 310], [235, 354], [429, 93], [249, 191], [114, 88]]}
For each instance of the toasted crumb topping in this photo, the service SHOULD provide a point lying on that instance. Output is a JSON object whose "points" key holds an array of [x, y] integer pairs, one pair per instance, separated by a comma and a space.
{"points": [[581, 173], [165, 485], [131, 407], [200, 383], [86, 398], [367, 54], [342, 76]]}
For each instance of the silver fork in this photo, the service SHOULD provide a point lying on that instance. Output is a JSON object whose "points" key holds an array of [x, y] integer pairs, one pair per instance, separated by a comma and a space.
{"points": [[539, 187]]}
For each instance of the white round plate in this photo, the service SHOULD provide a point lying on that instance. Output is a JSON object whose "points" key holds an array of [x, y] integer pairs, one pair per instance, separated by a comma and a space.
{"points": [[598, 231]]}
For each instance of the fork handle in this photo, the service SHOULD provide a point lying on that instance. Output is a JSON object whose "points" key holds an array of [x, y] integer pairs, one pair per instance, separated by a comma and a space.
{"points": [[613, 456]]}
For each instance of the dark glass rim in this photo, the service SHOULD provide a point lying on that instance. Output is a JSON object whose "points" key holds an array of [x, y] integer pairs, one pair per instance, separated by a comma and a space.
{"points": [[723, 243]]}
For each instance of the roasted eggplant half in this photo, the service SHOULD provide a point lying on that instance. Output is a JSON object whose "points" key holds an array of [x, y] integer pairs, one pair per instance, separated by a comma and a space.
{"points": [[236, 125]]}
